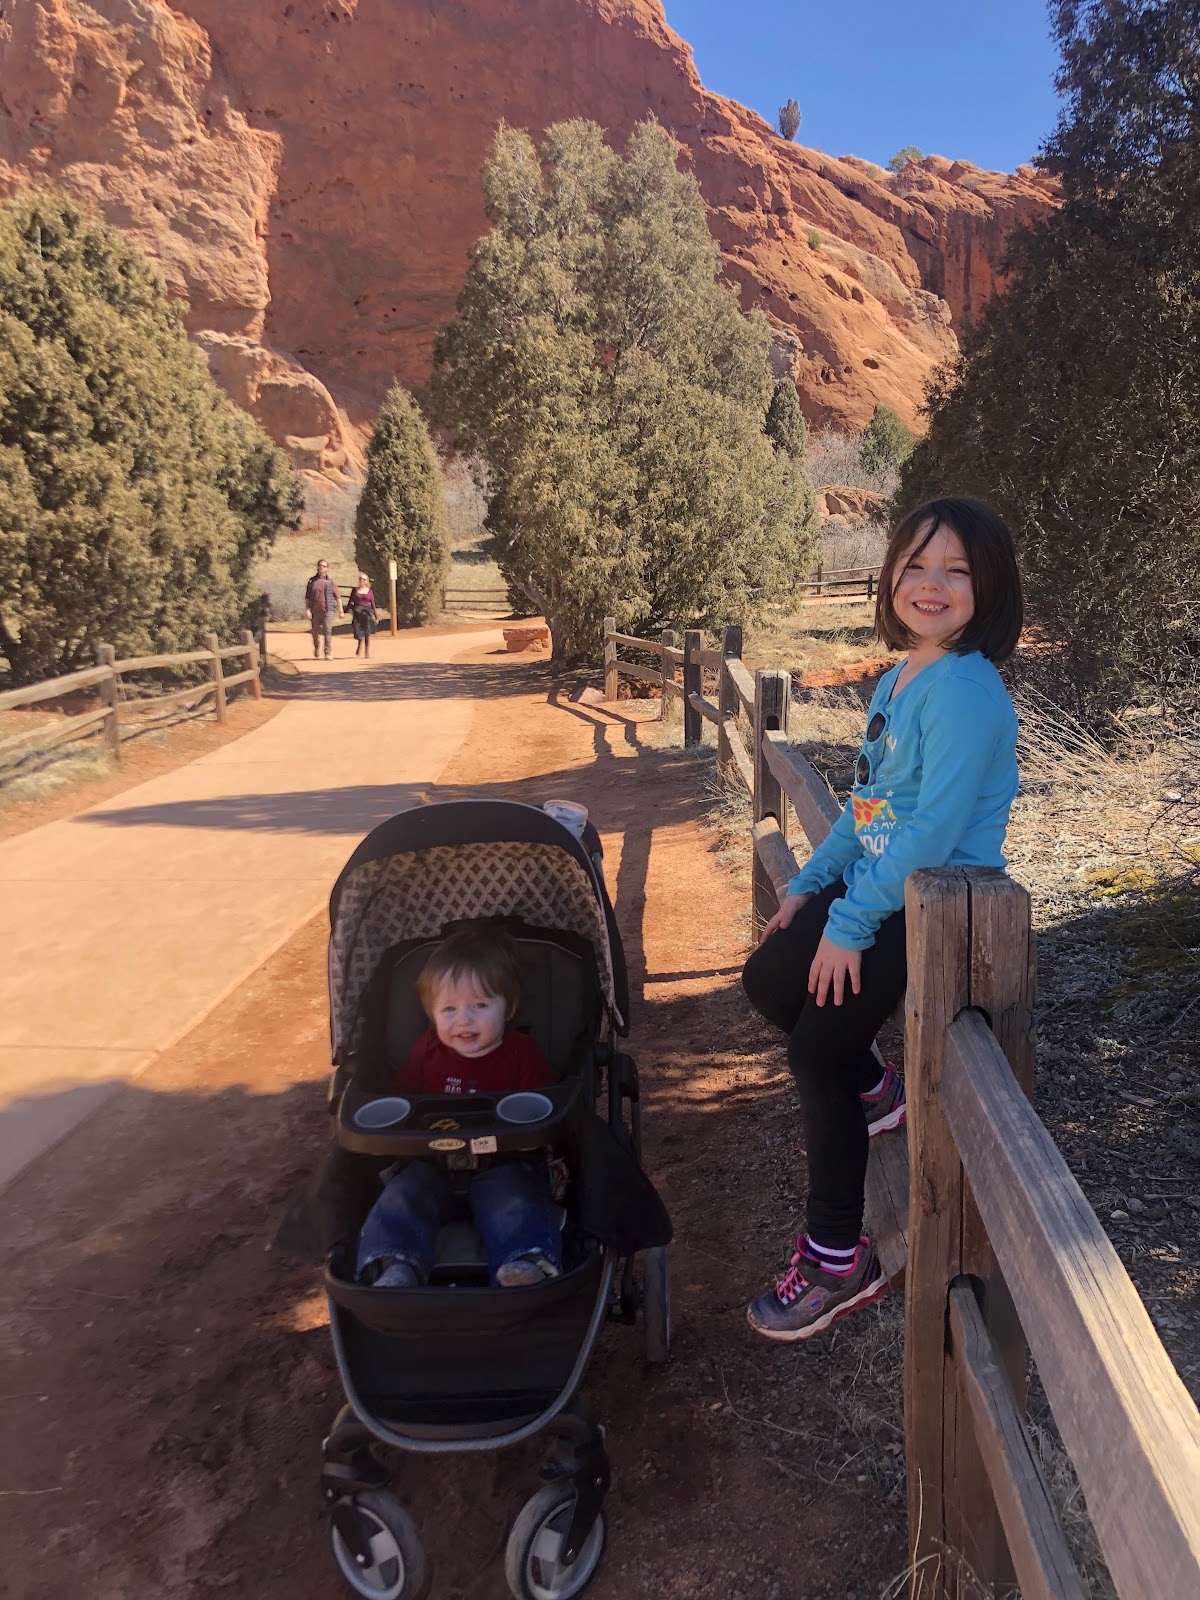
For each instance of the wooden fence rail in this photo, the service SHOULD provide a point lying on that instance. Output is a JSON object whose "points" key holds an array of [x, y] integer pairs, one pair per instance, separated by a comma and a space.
{"points": [[977, 1214], [106, 676]]}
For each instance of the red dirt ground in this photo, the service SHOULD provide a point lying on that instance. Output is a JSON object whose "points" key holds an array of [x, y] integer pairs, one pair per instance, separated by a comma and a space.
{"points": [[168, 1373]]}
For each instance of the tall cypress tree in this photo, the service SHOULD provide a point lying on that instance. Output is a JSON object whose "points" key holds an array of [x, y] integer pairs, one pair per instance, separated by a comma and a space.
{"points": [[402, 515]]}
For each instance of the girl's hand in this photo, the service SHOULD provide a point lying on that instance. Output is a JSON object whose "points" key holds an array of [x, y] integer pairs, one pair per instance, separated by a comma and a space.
{"points": [[787, 910], [831, 967]]}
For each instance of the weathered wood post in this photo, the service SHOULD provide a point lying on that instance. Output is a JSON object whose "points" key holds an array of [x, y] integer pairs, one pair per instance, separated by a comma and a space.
{"points": [[727, 696], [669, 641], [692, 719], [772, 702], [870, 586], [610, 659], [106, 656], [970, 943], [392, 596], [820, 572], [252, 662], [218, 677]]}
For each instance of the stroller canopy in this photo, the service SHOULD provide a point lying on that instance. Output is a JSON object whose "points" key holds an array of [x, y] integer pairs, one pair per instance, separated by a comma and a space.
{"points": [[438, 864]]}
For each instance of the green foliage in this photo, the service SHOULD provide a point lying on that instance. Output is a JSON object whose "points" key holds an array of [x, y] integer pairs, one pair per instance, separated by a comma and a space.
{"points": [[814, 239], [785, 420], [886, 443], [789, 120], [133, 498], [1075, 406], [402, 514], [903, 156], [617, 395]]}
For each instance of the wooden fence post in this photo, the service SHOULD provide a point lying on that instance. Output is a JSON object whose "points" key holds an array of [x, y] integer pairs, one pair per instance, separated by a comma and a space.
{"points": [[820, 571], [214, 644], [610, 659], [870, 586], [106, 655], [252, 662], [772, 701], [691, 685], [669, 641], [728, 701], [969, 943]]}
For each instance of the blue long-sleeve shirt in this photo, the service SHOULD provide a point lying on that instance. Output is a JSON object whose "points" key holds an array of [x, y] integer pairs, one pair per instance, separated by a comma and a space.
{"points": [[943, 777]]}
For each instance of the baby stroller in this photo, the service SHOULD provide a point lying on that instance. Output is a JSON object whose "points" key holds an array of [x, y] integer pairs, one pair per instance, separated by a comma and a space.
{"points": [[459, 1365]]}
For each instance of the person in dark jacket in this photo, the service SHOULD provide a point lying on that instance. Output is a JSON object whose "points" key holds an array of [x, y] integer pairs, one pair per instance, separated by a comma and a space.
{"points": [[363, 615], [322, 604]]}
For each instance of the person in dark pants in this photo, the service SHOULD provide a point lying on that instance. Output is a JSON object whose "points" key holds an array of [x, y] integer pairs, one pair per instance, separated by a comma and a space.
{"points": [[363, 616], [322, 605], [933, 787]]}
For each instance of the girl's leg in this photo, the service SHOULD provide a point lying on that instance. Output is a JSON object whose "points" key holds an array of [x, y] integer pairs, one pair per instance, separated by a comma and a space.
{"points": [[829, 1052], [515, 1213], [404, 1222], [775, 977]]}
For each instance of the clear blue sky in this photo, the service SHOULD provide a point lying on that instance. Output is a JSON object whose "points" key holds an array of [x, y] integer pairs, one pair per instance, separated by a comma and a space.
{"points": [[967, 79]]}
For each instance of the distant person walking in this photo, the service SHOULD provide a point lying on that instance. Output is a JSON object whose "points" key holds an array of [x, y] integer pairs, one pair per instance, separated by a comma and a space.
{"points": [[322, 604], [363, 616]]}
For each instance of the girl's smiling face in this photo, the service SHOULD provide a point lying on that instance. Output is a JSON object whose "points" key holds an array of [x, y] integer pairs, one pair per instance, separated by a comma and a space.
{"points": [[468, 1021], [934, 597]]}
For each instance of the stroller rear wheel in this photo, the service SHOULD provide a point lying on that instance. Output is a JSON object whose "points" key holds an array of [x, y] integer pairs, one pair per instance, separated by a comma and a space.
{"points": [[377, 1548], [532, 1561]]}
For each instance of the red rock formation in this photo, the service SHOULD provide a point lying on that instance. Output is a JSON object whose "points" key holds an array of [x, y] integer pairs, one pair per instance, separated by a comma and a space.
{"points": [[306, 174]]}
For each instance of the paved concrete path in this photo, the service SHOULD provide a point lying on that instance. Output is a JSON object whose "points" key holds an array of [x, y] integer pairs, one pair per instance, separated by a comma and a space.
{"points": [[124, 925]]}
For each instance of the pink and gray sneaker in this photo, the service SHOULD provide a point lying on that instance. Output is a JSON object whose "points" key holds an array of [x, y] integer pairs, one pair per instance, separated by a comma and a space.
{"points": [[808, 1299], [886, 1109]]}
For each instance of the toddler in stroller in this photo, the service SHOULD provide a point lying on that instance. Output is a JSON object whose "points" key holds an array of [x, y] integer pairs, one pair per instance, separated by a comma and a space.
{"points": [[458, 1362], [470, 988]]}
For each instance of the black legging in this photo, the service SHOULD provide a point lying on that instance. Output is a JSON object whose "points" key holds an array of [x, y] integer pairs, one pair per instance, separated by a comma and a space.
{"points": [[829, 1052]]}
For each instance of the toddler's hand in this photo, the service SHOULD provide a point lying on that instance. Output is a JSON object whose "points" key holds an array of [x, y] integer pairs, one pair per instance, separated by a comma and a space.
{"points": [[787, 910]]}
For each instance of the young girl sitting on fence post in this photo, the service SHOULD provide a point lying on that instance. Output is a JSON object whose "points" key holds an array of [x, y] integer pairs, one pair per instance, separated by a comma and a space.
{"points": [[932, 788]]}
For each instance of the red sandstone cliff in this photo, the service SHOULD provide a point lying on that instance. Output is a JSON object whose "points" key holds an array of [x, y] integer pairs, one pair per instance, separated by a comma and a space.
{"points": [[306, 175]]}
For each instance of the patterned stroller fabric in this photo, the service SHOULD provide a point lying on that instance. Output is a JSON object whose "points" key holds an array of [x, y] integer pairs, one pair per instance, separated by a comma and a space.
{"points": [[415, 894]]}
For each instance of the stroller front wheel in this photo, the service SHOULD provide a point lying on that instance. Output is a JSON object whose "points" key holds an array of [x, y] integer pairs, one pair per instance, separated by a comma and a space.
{"points": [[532, 1563], [377, 1548]]}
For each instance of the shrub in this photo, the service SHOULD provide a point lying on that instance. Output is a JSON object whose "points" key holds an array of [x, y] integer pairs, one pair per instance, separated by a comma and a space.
{"points": [[885, 443], [402, 514], [617, 395], [789, 120], [785, 420], [134, 499], [1075, 405], [902, 157], [814, 239]]}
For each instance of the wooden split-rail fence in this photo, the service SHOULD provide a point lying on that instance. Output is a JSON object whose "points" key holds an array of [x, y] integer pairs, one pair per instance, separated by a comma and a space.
{"points": [[105, 677], [975, 1211]]}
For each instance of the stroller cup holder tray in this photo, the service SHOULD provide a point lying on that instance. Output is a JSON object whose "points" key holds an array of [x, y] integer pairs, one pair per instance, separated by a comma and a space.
{"points": [[436, 1126]]}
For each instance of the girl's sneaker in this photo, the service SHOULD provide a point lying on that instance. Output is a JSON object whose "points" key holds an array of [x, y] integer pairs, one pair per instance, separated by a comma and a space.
{"points": [[807, 1299], [886, 1109]]}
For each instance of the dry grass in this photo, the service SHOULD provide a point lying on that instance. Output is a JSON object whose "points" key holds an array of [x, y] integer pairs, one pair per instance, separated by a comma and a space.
{"points": [[814, 639], [62, 767]]}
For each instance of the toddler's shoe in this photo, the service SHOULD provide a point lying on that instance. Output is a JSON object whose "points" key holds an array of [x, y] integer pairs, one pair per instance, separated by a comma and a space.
{"points": [[888, 1108], [528, 1268], [807, 1299], [398, 1275]]}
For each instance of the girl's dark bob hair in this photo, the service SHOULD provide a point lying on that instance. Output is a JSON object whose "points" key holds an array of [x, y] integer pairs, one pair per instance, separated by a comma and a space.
{"points": [[992, 558]]}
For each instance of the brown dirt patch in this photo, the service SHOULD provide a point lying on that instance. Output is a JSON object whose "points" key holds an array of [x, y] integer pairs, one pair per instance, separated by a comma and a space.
{"points": [[169, 1376]]}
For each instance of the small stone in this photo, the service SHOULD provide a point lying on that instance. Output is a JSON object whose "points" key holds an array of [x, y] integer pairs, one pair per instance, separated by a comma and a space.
{"points": [[1135, 1205], [1119, 1216]]}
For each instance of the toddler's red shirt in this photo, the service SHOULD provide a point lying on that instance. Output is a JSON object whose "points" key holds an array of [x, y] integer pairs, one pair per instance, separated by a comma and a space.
{"points": [[516, 1063]]}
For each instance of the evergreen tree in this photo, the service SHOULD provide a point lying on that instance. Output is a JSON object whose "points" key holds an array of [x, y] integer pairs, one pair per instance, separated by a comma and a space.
{"points": [[133, 499], [785, 420], [902, 157], [789, 119], [617, 395], [1075, 405], [886, 443], [402, 515]]}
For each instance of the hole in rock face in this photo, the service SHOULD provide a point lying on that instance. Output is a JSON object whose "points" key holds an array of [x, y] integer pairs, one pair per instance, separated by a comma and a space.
{"points": [[857, 294], [869, 361]]}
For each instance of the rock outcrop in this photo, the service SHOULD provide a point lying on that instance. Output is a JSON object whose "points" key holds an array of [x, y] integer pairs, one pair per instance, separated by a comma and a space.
{"points": [[306, 176]]}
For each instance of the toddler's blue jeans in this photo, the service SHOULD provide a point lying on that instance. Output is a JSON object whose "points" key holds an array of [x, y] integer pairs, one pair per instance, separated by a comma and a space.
{"points": [[510, 1204]]}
